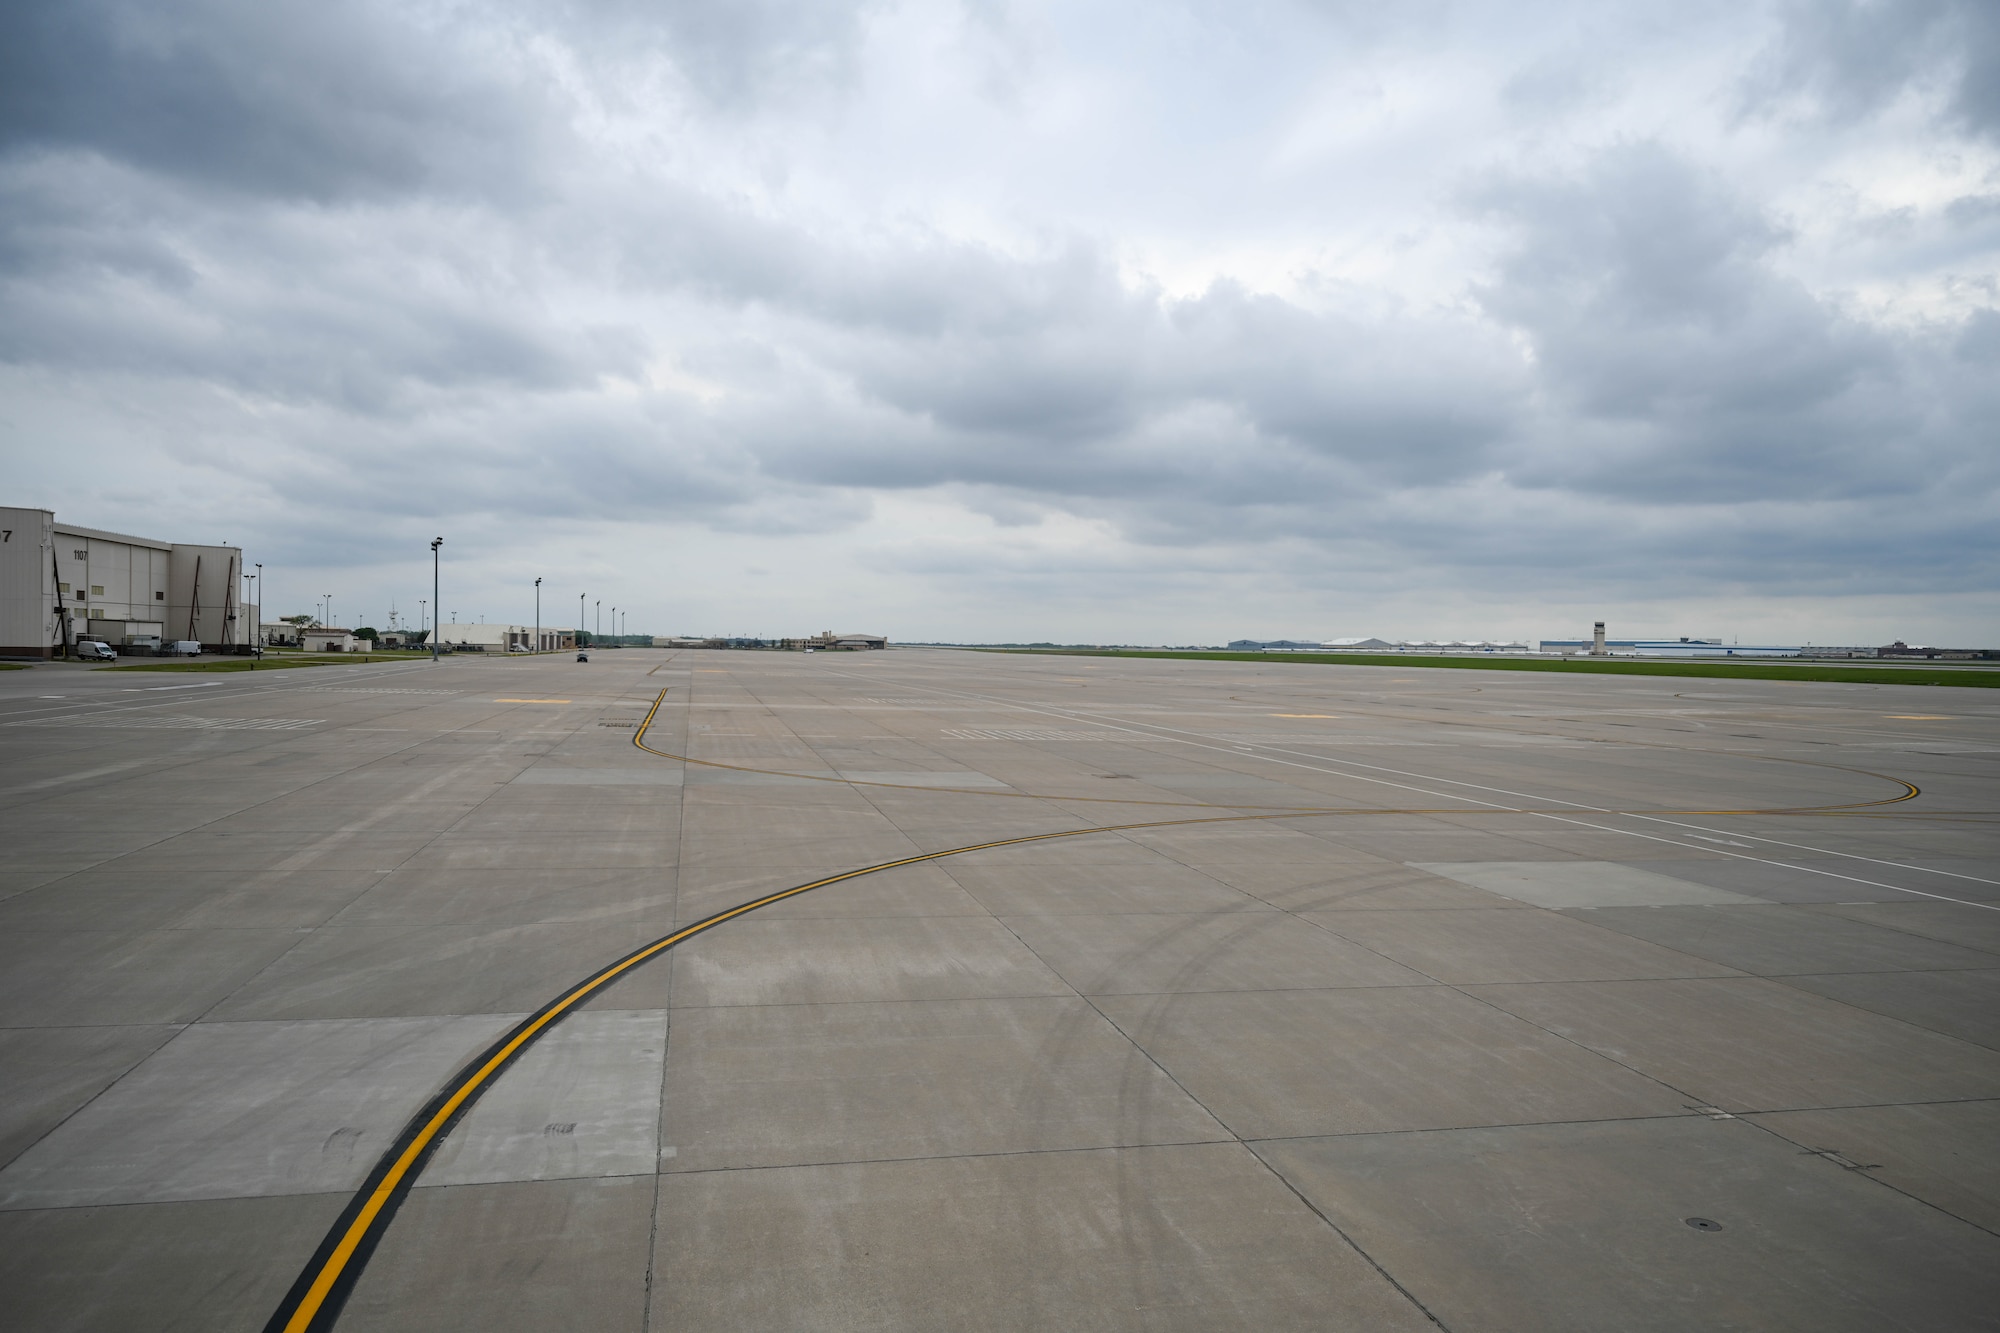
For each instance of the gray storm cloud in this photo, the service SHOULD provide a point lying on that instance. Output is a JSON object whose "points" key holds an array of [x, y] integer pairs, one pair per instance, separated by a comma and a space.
{"points": [[1479, 298]]}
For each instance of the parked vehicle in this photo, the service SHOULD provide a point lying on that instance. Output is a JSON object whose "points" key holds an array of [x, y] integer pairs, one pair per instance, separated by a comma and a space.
{"points": [[181, 648], [95, 650], [583, 657]]}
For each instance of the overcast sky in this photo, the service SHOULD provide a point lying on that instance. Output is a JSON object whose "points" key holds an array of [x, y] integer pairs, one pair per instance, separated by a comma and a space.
{"points": [[1083, 320]]}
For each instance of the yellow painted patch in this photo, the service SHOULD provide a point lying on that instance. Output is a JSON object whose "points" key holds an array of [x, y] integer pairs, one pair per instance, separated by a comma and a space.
{"points": [[1919, 717], [1304, 715], [531, 701]]}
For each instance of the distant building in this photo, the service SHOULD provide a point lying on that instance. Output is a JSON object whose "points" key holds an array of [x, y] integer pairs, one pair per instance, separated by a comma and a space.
{"points": [[326, 639], [847, 642], [1424, 646], [1682, 647], [60, 582], [503, 638], [826, 641], [1930, 654]]}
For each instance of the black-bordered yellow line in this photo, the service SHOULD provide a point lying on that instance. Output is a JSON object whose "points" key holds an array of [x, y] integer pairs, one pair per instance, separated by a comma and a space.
{"points": [[313, 1304], [1910, 790]]}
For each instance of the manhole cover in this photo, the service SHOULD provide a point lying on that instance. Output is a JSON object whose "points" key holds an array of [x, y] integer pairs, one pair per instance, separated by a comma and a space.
{"points": [[1703, 1224]]}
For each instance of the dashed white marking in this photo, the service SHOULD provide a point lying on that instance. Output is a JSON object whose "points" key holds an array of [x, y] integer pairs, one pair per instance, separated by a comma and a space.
{"points": [[1033, 734], [172, 722], [353, 689]]}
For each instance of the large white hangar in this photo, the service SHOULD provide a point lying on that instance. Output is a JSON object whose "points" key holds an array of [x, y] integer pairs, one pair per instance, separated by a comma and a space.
{"points": [[60, 582]]}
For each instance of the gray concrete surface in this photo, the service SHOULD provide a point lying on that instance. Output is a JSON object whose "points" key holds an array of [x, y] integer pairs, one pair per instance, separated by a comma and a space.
{"points": [[1467, 1050]]}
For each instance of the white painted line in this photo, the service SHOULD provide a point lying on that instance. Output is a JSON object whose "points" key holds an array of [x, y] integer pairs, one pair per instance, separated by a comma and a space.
{"points": [[1079, 715], [73, 777]]}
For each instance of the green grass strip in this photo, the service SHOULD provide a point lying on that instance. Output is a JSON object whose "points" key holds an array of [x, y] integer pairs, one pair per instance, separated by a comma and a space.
{"points": [[1972, 677], [252, 664]]}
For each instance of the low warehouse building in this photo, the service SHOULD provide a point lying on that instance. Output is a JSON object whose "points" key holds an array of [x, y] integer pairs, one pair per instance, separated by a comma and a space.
{"points": [[503, 638], [829, 639], [60, 583], [326, 639]]}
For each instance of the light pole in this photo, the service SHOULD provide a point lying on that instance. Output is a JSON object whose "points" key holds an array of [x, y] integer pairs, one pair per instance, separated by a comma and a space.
{"points": [[579, 618], [250, 630], [614, 622], [435, 543], [329, 610], [538, 615], [260, 610], [424, 617], [600, 618]]}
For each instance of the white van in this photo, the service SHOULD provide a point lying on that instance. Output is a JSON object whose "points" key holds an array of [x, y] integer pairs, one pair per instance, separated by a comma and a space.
{"points": [[181, 648], [95, 650]]}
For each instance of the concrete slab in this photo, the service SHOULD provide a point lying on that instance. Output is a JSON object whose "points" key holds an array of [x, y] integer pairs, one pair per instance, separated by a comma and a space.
{"points": [[1286, 1063], [584, 1101], [1480, 946], [216, 1266], [726, 777], [522, 896], [575, 851], [273, 833], [1097, 849], [1796, 883], [1184, 1238], [1773, 940], [611, 813], [1369, 884], [834, 960], [445, 968], [777, 844], [1941, 1153], [550, 775], [55, 978], [313, 811], [18, 881], [1097, 889], [247, 1109], [919, 890], [1955, 923], [51, 1072], [905, 777], [103, 900], [791, 1084], [1746, 1044], [278, 899], [1208, 844], [1560, 1227], [1965, 1005], [456, 1259], [1579, 883], [203, 852], [1133, 954], [1431, 845]]}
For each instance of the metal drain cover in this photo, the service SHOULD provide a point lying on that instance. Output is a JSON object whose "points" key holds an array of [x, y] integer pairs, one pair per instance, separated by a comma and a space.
{"points": [[1702, 1224]]}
